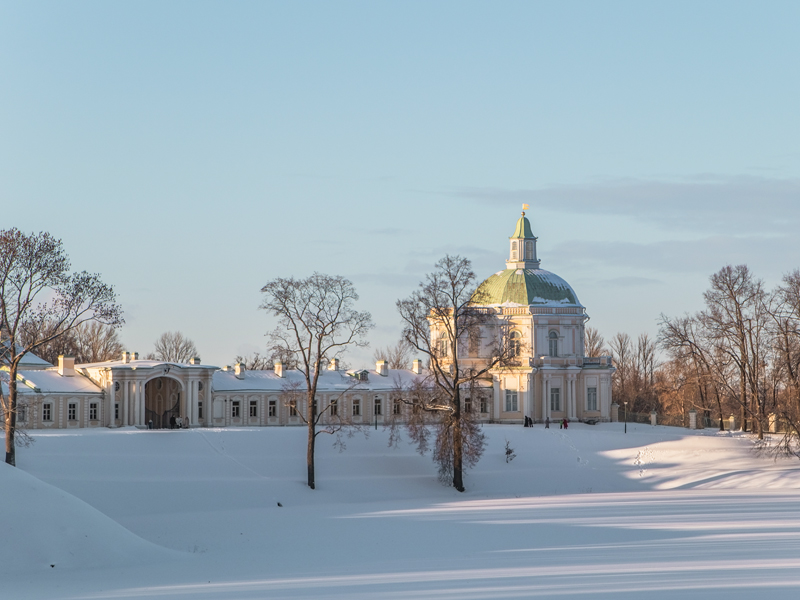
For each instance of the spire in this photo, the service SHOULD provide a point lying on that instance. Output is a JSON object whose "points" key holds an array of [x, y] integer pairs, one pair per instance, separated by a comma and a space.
{"points": [[522, 251]]}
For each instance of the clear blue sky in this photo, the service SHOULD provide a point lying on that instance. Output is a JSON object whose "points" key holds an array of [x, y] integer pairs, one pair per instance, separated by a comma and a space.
{"points": [[192, 151]]}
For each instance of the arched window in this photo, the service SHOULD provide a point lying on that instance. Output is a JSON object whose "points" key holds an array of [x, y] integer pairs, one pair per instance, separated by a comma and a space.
{"points": [[514, 344], [553, 343], [514, 250]]}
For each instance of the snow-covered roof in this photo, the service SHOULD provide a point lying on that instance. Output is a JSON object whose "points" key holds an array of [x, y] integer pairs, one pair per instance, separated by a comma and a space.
{"points": [[50, 382], [29, 360], [141, 364], [268, 381]]}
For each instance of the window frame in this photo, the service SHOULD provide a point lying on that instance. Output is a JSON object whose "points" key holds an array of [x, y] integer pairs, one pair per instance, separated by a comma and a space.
{"points": [[236, 409], [512, 401], [552, 348], [93, 411], [591, 398], [555, 399], [72, 411], [253, 409], [272, 409], [47, 412]]}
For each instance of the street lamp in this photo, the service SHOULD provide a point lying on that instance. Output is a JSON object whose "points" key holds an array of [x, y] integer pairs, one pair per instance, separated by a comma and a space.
{"points": [[626, 416]]}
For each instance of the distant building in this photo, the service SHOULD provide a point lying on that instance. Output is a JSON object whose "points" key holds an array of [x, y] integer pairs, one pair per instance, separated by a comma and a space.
{"points": [[542, 321], [534, 311]]}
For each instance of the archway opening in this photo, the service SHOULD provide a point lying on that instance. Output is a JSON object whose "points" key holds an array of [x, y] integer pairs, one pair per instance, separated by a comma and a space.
{"points": [[162, 400]]}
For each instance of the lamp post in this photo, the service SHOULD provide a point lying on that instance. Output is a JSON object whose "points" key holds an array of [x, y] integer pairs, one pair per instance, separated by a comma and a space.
{"points": [[626, 416]]}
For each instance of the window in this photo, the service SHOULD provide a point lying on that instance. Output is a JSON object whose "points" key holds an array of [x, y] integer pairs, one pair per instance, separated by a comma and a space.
{"points": [[199, 410], [293, 409], [474, 344], [22, 412], [514, 343], [116, 410], [591, 398], [47, 412], [511, 401], [273, 408], [334, 407], [356, 408], [199, 386], [314, 408], [116, 386], [93, 411], [72, 411], [514, 250], [528, 250], [236, 409], [467, 405], [397, 407], [378, 406], [253, 408], [553, 343], [555, 399], [416, 405], [443, 347], [484, 405]]}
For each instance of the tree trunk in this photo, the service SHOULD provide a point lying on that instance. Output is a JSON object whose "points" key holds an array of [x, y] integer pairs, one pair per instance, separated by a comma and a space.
{"points": [[11, 418], [310, 455], [458, 445]]}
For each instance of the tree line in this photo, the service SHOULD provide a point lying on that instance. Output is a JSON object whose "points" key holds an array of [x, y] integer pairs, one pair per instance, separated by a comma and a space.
{"points": [[739, 355]]}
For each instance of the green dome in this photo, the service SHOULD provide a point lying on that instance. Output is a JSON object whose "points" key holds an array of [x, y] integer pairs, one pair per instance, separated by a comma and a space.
{"points": [[526, 287]]}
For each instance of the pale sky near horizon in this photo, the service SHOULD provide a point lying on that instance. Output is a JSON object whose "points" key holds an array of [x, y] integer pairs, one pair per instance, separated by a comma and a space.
{"points": [[192, 151]]}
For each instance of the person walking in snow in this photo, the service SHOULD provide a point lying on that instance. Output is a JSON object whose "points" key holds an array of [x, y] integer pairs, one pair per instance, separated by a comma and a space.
{"points": [[566, 424], [173, 422], [547, 423]]}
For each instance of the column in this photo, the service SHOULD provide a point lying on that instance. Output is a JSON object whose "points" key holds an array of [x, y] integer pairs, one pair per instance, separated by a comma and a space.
{"points": [[142, 415], [571, 387], [124, 415], [134, 401], [545, 407], [496, 397]]}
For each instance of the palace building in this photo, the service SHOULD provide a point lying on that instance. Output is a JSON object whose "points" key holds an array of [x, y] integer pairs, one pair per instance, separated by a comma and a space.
{"points": [[536, 312]]}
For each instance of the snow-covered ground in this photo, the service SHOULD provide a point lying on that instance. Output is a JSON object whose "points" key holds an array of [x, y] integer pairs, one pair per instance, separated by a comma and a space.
{"points": [[588, 512]]}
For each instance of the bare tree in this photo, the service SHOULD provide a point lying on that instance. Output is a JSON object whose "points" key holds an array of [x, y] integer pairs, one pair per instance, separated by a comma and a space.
{"points": [[173, 346], [736, 320], [593, 343], [255, 362], [96, 342], [39, 295], [316, 321], [397, 356], [439, 319]]}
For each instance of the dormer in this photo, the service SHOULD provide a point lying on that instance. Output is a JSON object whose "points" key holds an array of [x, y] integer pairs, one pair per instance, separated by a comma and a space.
{"points": [[522, 246]]}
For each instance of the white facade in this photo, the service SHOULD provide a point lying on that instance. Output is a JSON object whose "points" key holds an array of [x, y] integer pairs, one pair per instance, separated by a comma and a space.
{"points": [[537, 311]]}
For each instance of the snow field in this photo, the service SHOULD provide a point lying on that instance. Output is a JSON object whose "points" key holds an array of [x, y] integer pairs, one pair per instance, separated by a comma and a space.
{"points": [[589, 511]]}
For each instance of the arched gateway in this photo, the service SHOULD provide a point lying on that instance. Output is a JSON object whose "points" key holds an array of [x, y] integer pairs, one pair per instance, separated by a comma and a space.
{"points": [[162, 400]]}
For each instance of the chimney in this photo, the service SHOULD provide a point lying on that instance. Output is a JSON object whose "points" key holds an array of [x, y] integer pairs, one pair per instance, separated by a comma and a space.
{"points": [[194, 361], [238, 370], [416, 366], [226, 368], [333, 365], [382, 367], [134, 356], [126, 357], [279, 369], [66, 365]]}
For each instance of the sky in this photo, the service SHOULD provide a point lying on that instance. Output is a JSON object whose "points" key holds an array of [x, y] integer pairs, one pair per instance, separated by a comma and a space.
{"points": [[190, 152]]}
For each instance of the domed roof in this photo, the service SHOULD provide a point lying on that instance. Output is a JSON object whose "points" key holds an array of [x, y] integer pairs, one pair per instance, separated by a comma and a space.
{"points": [[526, 287]]}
